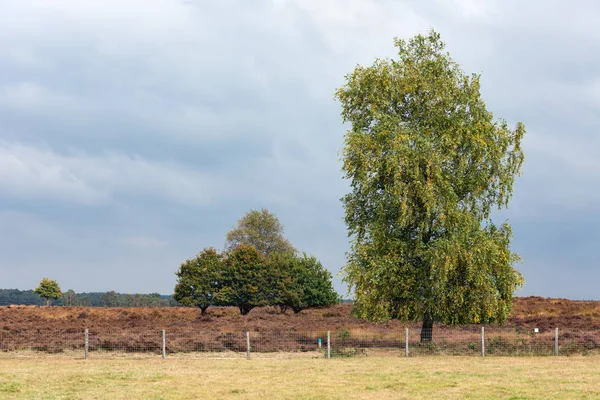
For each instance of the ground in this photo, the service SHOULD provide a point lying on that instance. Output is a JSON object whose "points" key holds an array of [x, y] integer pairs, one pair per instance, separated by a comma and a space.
{"points": [[359, 378], [529, 312]]}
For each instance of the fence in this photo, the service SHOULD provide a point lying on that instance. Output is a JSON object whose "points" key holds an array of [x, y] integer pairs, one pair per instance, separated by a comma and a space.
{"points": [[474, 341]]}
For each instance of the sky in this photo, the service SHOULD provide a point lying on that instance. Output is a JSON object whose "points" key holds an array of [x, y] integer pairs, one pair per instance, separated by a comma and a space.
{"points": [[134, 133]]}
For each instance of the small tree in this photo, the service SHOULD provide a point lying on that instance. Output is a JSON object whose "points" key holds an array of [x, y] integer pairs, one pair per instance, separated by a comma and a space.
{"points": [[262, 230], [244, 279], [49, 290], [299, 283], [314, 285], [69, 298], [198, 280], [282, 289]]}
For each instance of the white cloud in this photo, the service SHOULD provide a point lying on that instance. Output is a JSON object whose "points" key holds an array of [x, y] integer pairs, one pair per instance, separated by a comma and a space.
{"points": [[27, 171], [32, 96]]}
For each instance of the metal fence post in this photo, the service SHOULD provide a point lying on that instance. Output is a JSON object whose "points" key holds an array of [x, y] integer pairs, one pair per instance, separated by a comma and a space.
{"points": [[482, 341], [164, 344], [248, 345], [406, 342], [556, 341], [86, 343], [328, 344]]}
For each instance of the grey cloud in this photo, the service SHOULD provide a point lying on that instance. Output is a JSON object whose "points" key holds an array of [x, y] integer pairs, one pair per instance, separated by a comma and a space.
{"points": [[134, 134]]}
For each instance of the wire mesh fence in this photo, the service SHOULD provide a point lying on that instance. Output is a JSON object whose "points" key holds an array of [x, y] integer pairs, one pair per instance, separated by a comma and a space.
{"points": [[187, 342]]}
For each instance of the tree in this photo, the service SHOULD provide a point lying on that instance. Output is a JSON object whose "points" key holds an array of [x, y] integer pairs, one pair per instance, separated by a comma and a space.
{"points": [[427, 164], [69, 298], [315, 283], [244, 279], [198, 280], [49, 290], [300, 283], [260, 229], [110, 299]]}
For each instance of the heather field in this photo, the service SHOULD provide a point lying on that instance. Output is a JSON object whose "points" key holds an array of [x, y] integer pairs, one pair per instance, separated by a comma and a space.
{"points": [[529, 312], [60, 330]]}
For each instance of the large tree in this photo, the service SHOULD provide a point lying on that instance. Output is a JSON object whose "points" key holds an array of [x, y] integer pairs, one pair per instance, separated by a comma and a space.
{"points": [[427, 164], [260, 229], [198, 280], [49, 290]]}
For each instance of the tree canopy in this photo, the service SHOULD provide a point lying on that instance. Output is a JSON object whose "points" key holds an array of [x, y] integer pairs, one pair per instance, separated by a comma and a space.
{"points": [[259, 267], [198, 280], [244, 279], [260, 229], [49, 290], [427, 164], [300, 283]]}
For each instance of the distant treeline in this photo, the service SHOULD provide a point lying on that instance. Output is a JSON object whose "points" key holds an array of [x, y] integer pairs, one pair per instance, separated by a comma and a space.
{"points": [[93, 299]]}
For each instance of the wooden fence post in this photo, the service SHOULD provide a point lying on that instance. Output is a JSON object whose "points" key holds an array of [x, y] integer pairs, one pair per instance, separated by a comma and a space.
{"points": [[247, 345], [86, 343], [482, 341], [328, 344], [406, 342], [164, 344]]}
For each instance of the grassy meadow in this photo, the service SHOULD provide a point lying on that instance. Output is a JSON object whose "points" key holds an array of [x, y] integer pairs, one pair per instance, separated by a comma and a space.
{"points": [[355, 378]]}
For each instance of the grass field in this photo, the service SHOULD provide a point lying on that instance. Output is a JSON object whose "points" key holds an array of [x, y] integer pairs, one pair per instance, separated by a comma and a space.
{"points": [[358, 378]]}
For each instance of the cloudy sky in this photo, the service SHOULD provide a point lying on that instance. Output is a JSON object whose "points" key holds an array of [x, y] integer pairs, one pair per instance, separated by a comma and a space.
{"points": [[135, 133]]}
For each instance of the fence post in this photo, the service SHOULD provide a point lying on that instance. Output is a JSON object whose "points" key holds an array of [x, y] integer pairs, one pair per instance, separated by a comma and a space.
{"points": [[86, 343], [482, 341], [556, 341], [328, 344], [406, 342], [248, 345], [164, 344]]}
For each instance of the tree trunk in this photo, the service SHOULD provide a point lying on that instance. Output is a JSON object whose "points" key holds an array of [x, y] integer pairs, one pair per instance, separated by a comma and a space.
{"points": [[203, 310], [48, 300], [245, 309], [427, 328]]}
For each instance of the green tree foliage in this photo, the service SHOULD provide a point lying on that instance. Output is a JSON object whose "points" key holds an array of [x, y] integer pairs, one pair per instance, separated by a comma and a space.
{"points": [[94, 299], [198, 280], [49, 290], [111, 299], [260, 229], [69, 298], [300, 283], [16, 296], [244, 280], [427, 164], [315, 283]]}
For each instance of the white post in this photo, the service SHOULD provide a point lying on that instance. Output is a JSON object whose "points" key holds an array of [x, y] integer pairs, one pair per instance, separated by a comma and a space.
{"points": [[86, 343], [482, 341], [164, 344], [328, 344], [556, 341], [247, 345], [406, 342]]}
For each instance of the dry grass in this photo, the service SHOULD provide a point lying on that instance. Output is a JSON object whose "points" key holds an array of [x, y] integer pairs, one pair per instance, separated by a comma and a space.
{"points": [[358, 378]]}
